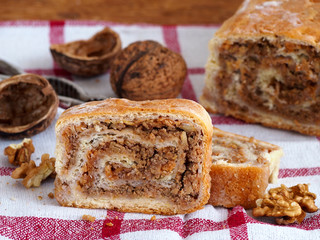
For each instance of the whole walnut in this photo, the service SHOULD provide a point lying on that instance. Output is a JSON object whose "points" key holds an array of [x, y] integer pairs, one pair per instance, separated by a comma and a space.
{"points": [[146, 70]]}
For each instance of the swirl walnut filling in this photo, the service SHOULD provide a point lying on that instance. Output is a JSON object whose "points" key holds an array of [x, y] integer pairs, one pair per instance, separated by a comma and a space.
{"points": [[154, 158], [272, 76]]}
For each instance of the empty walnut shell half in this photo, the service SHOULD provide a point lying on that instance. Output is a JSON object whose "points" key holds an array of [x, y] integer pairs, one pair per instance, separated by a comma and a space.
{"points": [[28, 105], [88, 57], [146, 70]]}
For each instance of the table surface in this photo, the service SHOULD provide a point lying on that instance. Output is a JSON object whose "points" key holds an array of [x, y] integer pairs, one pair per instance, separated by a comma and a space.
{"points": [[122, 11]]}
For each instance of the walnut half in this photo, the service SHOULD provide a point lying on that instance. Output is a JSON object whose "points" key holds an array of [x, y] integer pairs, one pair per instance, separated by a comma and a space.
{"points": [[23, 170], [88, 57], [33, 175], [288, 205], [19, 153], [44, 170], [28, 105]]}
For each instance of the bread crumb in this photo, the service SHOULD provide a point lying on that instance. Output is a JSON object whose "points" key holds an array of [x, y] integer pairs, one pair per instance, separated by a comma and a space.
{"points": [[13, 198], [40, 197], [153, 218], [51, 195], [109, 224], [88, 218]]}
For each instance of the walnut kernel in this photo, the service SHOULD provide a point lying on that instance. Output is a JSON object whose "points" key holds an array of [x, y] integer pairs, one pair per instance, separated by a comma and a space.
{"points": [[288, 205], [44, 170], [19, 153], [304, 197], [23, 170]]}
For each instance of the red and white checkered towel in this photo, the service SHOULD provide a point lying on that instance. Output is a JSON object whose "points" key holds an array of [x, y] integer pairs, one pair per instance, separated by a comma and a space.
{"points": [[31, 214]]}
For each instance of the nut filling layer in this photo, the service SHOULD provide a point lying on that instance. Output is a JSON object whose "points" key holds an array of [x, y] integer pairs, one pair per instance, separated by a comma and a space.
{"points": [[278, 76], [156, 158]]}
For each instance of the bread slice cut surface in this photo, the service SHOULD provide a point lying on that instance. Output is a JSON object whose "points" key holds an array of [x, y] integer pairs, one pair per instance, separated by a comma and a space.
{"points": [[148, 156]]}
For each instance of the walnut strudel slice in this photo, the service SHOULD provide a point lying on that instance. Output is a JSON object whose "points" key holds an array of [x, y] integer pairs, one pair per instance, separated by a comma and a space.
{"points": [[147, 156]]}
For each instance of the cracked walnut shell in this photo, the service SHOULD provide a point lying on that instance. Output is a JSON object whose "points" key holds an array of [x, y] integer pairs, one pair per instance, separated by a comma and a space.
{"points": [[146, 70], [88, 57], [28, 105]]}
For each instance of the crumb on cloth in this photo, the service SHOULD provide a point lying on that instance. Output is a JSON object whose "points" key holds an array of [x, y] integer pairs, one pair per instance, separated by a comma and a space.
{"points": [[88, 218]]}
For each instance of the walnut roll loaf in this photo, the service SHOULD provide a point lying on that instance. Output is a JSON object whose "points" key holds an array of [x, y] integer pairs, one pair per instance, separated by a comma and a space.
{"points": [[147, 156], [264, 65]]}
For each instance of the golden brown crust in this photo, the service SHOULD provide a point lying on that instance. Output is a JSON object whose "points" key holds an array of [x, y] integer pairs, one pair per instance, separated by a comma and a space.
{"points": [[122, 108], [232, 186], [119, 107], [263, 118], [238, 178], [294, 19]]}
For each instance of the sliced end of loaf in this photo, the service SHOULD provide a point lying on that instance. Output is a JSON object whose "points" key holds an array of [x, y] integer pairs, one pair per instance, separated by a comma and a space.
{"points": [[134, 159], [241, 170]]}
